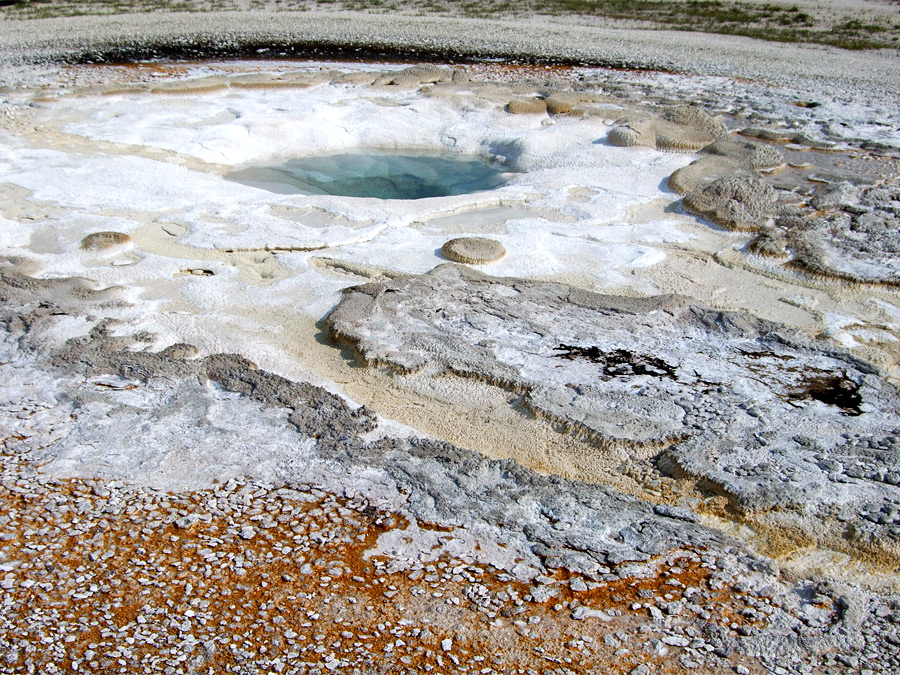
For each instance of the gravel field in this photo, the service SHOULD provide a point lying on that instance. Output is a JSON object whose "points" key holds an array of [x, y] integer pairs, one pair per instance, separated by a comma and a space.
{"points": [[820, 68]]}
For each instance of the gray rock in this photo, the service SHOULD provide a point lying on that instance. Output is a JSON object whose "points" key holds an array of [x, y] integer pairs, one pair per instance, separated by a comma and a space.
{"points": [[619, 369], [753, 155], [787, 135], [858, 239], [734, 202], [674, 512], [441, 483], [696, 117], [769, 243], [835, 195]]}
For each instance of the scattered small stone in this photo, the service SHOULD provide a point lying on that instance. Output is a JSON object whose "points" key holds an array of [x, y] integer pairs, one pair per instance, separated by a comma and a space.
{"points": [[102, 241], [473, 250], [526, 106]]}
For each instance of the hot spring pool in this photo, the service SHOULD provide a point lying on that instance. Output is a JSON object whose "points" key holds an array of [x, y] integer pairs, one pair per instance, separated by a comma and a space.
{"points": [[382, 175]]}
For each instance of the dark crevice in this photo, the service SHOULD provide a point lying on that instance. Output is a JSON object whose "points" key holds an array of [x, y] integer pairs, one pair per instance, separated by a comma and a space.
{"points": [[619, 362], [832, 390]]}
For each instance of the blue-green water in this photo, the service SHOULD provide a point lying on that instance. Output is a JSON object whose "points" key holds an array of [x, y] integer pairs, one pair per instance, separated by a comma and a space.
{"points": [[382, 175]]}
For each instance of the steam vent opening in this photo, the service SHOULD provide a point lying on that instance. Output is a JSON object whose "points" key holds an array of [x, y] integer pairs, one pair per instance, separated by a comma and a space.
{"points": [[382, 175]]}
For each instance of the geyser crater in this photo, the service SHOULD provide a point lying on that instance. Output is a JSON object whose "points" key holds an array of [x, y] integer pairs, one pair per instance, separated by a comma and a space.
{"points": [[380, 174]]}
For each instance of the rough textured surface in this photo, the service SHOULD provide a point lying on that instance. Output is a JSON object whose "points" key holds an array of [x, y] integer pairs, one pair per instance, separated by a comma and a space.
{"points": [[857, 239], [769, 243], [412, 508], [569, 553], [787, 136], [755, 155], [734, 202], [222, 570], [698, 118], [723, 423], [473, 250], [654, 132], [703, 171], [714, 386], [429, 473], [681, 129], [680, 139]]}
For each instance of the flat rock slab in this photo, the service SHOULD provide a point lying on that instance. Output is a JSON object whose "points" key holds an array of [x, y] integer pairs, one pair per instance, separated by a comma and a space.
{"points": [[857, 238], [744, 403]]}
